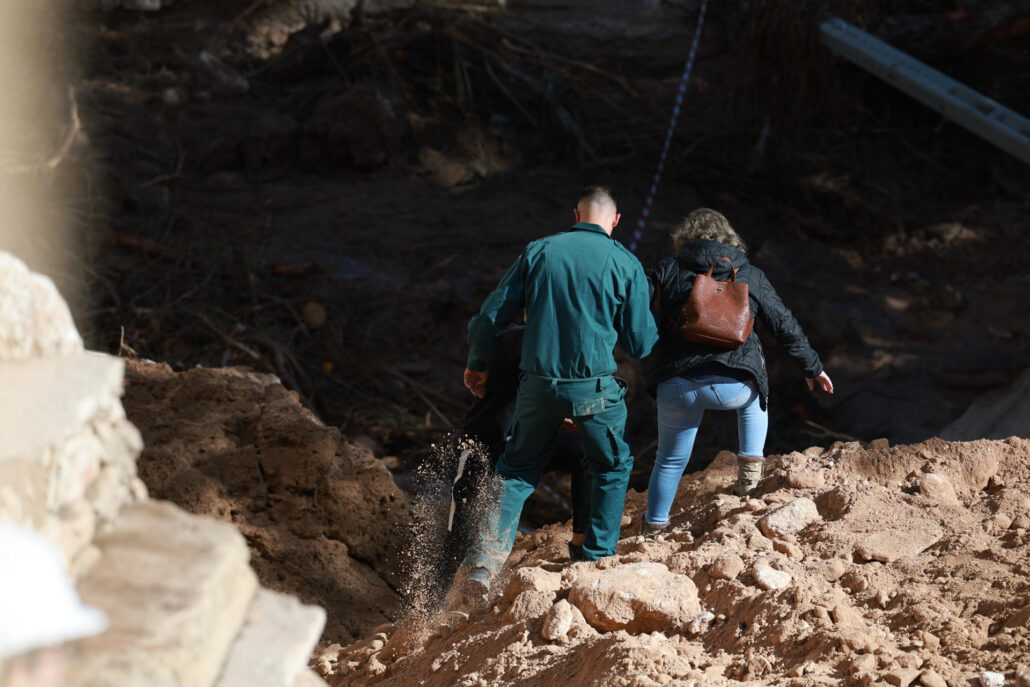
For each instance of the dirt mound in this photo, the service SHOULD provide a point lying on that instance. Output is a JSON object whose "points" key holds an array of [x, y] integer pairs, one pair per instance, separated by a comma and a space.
{"points": [[322, 517], [854, 565]]}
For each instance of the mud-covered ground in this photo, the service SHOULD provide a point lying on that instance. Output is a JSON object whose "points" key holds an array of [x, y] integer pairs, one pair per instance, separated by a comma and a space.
{"points": [[898, 565]]}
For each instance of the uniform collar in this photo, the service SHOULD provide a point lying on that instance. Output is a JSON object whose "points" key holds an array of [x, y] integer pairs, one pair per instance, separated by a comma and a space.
{"points": [[587, 226]]}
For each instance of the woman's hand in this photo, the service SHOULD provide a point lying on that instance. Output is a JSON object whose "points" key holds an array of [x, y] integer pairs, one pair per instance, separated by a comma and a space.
{"points": [[824, 381]]}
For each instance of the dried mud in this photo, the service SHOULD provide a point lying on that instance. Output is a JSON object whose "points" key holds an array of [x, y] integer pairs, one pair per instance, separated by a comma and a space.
{"points": [[910, 569]]}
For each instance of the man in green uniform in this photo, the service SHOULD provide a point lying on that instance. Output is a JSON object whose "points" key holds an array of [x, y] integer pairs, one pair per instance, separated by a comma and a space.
{"points": [[583, 292]]}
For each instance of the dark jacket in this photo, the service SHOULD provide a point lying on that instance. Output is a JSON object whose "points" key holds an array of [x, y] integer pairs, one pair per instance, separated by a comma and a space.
{"points": [[671, 282]]}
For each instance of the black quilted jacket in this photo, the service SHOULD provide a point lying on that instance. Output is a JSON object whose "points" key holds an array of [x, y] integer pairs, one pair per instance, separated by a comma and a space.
{"points": [[671, 281]]}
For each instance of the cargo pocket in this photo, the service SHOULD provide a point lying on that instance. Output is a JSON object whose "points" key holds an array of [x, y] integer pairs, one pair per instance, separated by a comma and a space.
{"points": [[616, 392]]}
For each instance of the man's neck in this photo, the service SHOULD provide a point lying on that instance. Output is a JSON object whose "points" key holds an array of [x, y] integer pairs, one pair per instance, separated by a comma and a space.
{"points": [[597, 222]]}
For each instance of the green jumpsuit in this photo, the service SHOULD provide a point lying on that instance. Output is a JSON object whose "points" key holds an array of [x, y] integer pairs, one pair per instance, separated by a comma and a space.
{"points": [[583, 293]]}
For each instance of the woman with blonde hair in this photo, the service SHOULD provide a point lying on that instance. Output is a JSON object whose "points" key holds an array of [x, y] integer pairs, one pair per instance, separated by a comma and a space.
{"points": [[694, 377]]}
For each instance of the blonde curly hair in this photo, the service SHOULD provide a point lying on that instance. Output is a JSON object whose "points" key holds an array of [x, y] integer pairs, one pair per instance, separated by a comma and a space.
{"points": [[705, 223]]}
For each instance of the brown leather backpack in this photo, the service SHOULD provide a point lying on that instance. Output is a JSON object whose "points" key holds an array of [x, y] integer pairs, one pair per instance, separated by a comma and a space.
{"points": [[717, 313]]}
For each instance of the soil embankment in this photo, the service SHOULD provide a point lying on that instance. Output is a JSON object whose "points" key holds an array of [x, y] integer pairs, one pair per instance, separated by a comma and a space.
{"points": [[322, 517]]}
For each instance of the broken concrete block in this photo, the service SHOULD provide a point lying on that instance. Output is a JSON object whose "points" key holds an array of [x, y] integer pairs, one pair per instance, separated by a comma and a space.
{"points": [[176, 588], [274, 644]]}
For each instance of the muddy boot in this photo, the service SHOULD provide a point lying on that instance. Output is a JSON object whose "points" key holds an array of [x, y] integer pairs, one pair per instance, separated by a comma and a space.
{"points": [[575, 553], [475, 591], [470, 590], [749, 473], [651, 531]]}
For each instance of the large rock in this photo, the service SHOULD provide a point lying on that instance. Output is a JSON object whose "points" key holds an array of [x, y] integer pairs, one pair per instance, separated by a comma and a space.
{"points": [[176, 588], [273, 647], [889, 546], [938, 488], [34, 320], [790, 518], [536, 579], [637, 597]]}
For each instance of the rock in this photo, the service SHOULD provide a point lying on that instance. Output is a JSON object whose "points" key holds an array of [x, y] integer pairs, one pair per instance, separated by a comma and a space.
{"points": [[866, 663], [805, 478], [859, 641], [789, 518], [846, 616], [1001, 521], [938, 488], [769, 578], [274, 644], [701, 623], [901, 677], [1020, 618], [536, 579], [529, 604], [726, 567], [637, 597], [1023, 676], [558, 620], [176, 588], [989, 678], [314, 314], [34, 320], [881, 444], [789, 549], [888, 547], [930, 641], [931, 678], [833, 569]]}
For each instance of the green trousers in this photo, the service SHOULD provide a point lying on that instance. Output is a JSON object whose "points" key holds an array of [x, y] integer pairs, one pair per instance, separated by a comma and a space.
{"points": [[597, 408]]}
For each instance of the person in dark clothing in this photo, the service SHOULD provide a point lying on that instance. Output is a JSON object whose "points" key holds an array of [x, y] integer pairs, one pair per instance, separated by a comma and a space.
{"points": [[489, 422], [693, 377]]}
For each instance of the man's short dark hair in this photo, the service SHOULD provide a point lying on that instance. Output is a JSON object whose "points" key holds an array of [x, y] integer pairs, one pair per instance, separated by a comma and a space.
{"points": [[597, 195]]}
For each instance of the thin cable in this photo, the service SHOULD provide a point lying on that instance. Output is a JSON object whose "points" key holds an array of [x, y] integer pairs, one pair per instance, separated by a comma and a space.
{"points": [[688, 68]]}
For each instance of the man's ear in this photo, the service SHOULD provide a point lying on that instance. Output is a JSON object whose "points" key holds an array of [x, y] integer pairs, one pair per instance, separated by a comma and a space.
{"points": [[575, 212], [617, 218]]}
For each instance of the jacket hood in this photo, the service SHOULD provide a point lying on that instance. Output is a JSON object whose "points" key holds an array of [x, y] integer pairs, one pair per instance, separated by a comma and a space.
{"points": [[700, 254]]}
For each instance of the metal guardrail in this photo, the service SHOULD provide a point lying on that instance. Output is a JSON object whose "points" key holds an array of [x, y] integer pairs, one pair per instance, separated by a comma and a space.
{"points": [[968, 108]]}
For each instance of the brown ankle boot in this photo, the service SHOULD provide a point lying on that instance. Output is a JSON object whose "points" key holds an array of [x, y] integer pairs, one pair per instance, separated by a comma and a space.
{"points": [[749, 473]]}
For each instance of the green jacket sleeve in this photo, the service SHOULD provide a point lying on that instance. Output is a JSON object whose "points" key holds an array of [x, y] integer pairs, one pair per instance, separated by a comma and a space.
{"points": [[635, 321], [497, 311]]}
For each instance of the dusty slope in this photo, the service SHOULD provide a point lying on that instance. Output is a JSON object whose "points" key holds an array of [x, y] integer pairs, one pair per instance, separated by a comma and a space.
{"points": [[322, 517], [892, 565]]}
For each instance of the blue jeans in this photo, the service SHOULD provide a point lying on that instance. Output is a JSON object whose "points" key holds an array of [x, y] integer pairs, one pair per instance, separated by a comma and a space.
{"points": [[682, 403]]}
